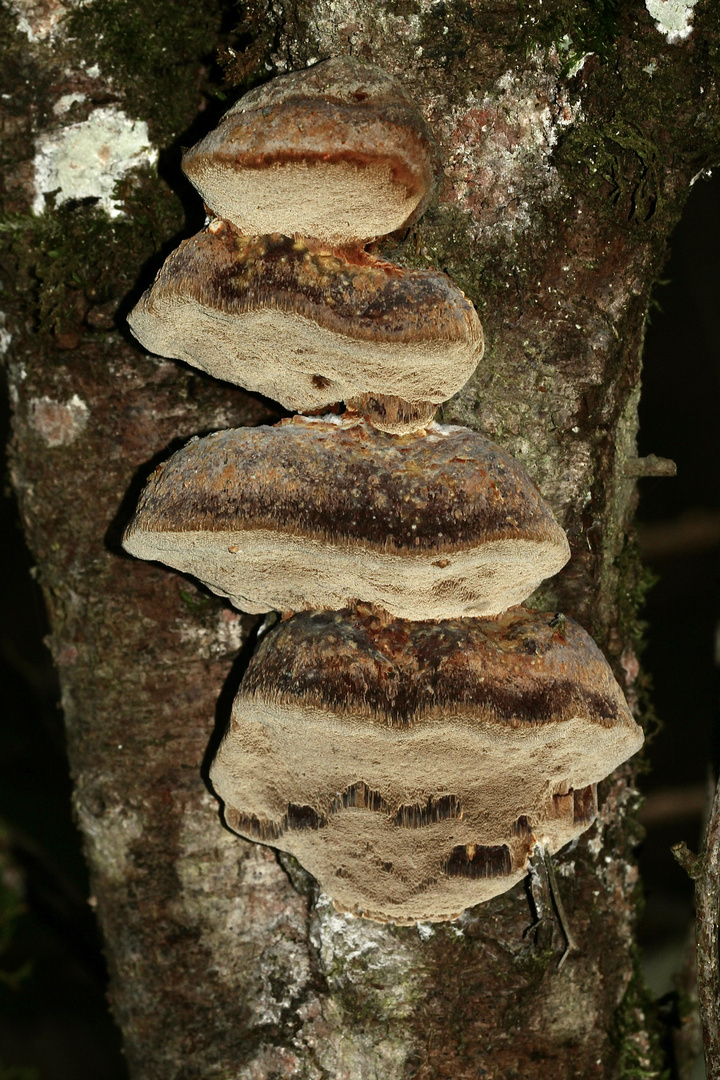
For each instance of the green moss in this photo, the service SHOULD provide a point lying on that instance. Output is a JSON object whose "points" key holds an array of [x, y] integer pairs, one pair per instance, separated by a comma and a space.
{"points": [[635, 582], [590, 25], [195, 602], [303, 882], [73, 259], [160, 53], [455, 34], [637, 1036], [71, 268], [618, 160]]}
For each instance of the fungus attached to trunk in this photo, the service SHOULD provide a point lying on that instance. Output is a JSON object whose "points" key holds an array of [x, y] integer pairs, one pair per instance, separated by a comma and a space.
{"points": [[338, 151], [321, 513], [412, 766], [307, 326]]}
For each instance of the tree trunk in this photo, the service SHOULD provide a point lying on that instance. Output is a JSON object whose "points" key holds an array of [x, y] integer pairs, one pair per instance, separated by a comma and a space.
{"points": [[571, 133]]}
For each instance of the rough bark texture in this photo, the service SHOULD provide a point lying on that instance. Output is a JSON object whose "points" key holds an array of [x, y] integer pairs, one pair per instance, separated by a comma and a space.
{"points": [[571, 132], [705, 870]]}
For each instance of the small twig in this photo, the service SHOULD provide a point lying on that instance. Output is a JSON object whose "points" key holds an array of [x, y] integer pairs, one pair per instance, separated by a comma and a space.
{"points": [[570, 944], [705, 870], [543, 886], [652, 465]]}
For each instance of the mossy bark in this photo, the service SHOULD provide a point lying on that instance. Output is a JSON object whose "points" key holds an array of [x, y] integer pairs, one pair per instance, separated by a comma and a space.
{"points": [[571, 133]]}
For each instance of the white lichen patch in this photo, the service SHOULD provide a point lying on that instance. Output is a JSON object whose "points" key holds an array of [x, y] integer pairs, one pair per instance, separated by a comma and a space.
{"points": [[566, 868], [57, 422], [40, 20], [355, 952], [500, 147], [673, 18], [5, 335], [577, 65], [338, 24], [224, 637], [109, 836], [66, 102], [349, 946], [86, 160], [237, 897]]}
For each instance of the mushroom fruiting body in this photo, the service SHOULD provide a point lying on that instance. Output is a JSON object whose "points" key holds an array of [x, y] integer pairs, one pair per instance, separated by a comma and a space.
{"points": [[307, 326], [321, 513], [409, 756], [411, 767], [338, 151]]}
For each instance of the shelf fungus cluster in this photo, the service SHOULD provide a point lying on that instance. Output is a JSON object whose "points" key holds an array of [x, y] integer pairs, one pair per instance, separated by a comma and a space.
{"points": [[408, 730]]}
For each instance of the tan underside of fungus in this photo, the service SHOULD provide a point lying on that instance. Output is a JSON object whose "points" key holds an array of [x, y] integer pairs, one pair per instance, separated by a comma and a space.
{"points": [[339, 152], [314, 513], [307, 326], [411, 766], [409, 756]]}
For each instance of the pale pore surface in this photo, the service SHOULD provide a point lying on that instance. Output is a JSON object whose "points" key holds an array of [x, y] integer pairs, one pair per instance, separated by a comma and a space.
{"points": [[292, 360], [337, 202], [276, 754], [259, 570]]}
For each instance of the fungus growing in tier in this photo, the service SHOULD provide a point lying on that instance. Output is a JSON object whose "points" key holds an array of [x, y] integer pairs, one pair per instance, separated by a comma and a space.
{"points": [[308, 327], [411, 767], [321, 513], [338, 151]]}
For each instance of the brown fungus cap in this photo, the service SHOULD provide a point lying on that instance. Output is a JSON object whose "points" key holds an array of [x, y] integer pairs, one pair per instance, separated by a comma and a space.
{"points": [[338, 151], [320, 513], [307, 326], [411, 767]]}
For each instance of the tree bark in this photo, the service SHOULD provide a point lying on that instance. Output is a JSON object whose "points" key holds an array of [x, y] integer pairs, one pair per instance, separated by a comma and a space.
{"points": [[571, 133]]}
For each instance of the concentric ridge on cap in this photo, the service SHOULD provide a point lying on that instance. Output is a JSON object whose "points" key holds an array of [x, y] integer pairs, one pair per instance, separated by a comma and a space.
{"points": [[320, 514], [338, 151], [412, 767], [309, 326]]}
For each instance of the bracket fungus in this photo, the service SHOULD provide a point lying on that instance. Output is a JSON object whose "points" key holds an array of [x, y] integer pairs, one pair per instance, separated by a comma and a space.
{"points": [[308, 327], [320, 513], [412, 766], [415, 740], [338, 151]]}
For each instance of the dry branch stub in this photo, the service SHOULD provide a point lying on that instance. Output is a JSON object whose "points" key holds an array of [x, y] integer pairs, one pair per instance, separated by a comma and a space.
{"points": [[338, 151], [412, 766], [320, 513], [308, 326]]}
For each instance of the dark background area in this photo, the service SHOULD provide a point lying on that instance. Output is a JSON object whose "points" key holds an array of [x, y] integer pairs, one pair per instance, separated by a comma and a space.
{"points": [[679, 532], [54, 1023]]}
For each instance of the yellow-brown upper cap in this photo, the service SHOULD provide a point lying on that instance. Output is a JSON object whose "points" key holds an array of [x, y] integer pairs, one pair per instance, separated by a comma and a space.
{"points": [[320, 513], [411, 767], [338, 152], [308, 326]]}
